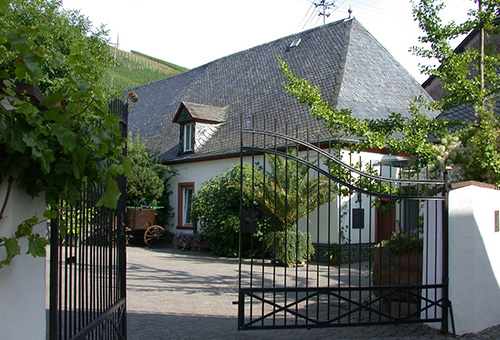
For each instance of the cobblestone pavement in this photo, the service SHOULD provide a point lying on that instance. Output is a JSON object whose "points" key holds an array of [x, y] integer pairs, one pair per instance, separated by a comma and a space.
{"points": [[179, 295]]}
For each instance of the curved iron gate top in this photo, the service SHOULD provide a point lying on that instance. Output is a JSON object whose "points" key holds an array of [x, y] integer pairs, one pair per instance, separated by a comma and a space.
{"points": [[87, 264], [386, 223]]}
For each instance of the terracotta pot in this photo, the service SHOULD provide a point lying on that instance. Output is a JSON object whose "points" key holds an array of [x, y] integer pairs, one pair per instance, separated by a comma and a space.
{"points": [[200, 246]]}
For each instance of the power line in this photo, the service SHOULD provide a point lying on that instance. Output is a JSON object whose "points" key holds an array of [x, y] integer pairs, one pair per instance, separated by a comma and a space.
{"points": [[324, 8], [310, 7]]}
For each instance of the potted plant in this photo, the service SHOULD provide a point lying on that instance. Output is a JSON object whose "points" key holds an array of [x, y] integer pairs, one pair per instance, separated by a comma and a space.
{"points": [[200, 243], [334, 254], [398, 262], [182, 241]]}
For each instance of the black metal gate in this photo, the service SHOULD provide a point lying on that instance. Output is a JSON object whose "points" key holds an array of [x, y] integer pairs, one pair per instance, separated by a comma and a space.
{"points": [[87, 264], [305, 205]]}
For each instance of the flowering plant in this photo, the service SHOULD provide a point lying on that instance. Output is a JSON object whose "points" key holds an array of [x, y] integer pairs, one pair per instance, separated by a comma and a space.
{"points": [[185, 240], [402, 242]]}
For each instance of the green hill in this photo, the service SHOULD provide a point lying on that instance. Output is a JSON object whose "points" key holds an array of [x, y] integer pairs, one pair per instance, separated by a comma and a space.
{"points": [[135, 68]]}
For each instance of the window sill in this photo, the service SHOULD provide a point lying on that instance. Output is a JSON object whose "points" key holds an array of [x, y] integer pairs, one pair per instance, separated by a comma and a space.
{"points": [[185, 227]]}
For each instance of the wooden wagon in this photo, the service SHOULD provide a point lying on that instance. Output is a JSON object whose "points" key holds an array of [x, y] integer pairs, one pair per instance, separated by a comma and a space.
{"points": [[142, 221]]}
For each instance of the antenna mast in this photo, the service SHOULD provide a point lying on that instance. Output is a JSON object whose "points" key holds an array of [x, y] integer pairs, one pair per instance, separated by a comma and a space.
{"points": [[323, 6]]}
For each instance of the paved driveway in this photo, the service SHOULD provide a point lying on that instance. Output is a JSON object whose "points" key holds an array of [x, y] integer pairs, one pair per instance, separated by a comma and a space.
{"points": [[173, 294]]}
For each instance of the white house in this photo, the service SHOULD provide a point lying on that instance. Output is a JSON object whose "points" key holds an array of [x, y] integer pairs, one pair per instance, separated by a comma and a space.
{"points": [[193, 119]]}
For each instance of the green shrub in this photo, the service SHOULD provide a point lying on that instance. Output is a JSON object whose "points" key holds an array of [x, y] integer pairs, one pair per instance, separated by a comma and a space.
{"points": [[402, 242], [216, 208], [289, 247], [148, 179]]}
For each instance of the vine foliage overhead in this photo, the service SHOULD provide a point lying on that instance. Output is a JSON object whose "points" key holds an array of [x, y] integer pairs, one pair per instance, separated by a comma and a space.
{"points": [[54, 146]]}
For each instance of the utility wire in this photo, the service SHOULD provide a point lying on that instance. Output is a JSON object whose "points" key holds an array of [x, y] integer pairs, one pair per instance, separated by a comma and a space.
{"points": [[310, 7]]}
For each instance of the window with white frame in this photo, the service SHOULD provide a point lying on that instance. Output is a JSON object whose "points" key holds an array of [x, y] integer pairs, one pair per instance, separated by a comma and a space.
{"points": [[185, 218], [188, 141], [186, 206]]}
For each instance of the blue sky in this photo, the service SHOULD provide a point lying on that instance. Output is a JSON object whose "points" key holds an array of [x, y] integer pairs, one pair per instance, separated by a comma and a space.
{"points": [[192, 33]]}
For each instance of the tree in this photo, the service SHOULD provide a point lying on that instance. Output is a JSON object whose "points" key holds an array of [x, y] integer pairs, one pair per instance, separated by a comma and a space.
{"points": [[148, 179], [468, 78], [147, 175], [69, 139], [282, 194], [473, 149], [81, 50]]}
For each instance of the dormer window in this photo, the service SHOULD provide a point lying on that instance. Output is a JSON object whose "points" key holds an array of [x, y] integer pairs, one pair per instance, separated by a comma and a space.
{"points": [[198, 123], [188, 140]]}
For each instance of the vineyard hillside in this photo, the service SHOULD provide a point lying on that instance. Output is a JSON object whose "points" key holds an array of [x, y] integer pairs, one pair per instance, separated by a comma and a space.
{"points": [[134, 68]]}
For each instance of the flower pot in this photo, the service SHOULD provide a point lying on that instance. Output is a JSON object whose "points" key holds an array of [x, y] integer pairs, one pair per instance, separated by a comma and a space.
{"points": [[200, 245], [334, 261]]}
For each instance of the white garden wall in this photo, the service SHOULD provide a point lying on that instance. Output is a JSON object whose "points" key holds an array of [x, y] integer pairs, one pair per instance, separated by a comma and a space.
{"points": [[474, 257], [22, 283]]}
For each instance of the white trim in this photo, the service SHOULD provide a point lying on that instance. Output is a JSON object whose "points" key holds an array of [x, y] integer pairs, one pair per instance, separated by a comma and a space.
{"points": [[188, 137]]}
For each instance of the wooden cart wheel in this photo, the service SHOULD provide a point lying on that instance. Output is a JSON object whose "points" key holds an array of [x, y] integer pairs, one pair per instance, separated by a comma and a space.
{"points": [[154, 236]]}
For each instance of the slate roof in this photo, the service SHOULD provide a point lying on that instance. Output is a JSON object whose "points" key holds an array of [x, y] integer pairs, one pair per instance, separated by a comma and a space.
{"points": [[202, 112], [342, 58], [463, 113]]}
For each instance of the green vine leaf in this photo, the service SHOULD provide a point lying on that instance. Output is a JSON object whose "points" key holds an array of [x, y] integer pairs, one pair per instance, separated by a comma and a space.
{"points": [[12, 249], [52, 99], [36, 245], [69, 139], [111, 195]]}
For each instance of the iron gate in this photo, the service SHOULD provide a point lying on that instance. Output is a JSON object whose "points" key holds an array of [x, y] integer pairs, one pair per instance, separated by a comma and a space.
{"points": [[87, 264], [305, 204]]}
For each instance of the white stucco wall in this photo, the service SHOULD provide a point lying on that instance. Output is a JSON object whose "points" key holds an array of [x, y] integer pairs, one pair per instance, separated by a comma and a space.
{"points": [[199, 172], [474, 258], [22, 283]]}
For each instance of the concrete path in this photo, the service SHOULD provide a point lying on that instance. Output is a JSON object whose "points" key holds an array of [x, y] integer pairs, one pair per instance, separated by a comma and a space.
{"points": [[173, 294]]}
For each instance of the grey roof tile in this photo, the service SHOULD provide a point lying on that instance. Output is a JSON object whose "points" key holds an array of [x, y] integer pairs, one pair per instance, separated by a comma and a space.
{"points": [[342, 58]]}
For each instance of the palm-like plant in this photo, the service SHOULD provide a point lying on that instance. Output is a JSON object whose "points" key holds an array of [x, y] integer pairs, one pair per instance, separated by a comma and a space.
{"points": [[290, 190]]}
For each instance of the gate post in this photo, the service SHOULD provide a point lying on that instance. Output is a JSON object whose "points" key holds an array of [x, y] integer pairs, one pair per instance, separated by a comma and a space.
{"points": [[122, 112], [445, 245]]}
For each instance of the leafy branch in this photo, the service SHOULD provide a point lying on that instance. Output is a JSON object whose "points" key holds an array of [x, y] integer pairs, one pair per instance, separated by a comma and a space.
{"points": [[57, 145], [469, 79]]}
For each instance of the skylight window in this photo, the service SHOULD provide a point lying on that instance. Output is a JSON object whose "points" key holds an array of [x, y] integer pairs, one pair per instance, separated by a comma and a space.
{"points": [[295, 43]]}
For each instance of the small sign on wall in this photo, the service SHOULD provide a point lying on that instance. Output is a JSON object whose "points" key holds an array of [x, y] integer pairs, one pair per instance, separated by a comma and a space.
{"points": [[358, 218], [497, 221]]}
